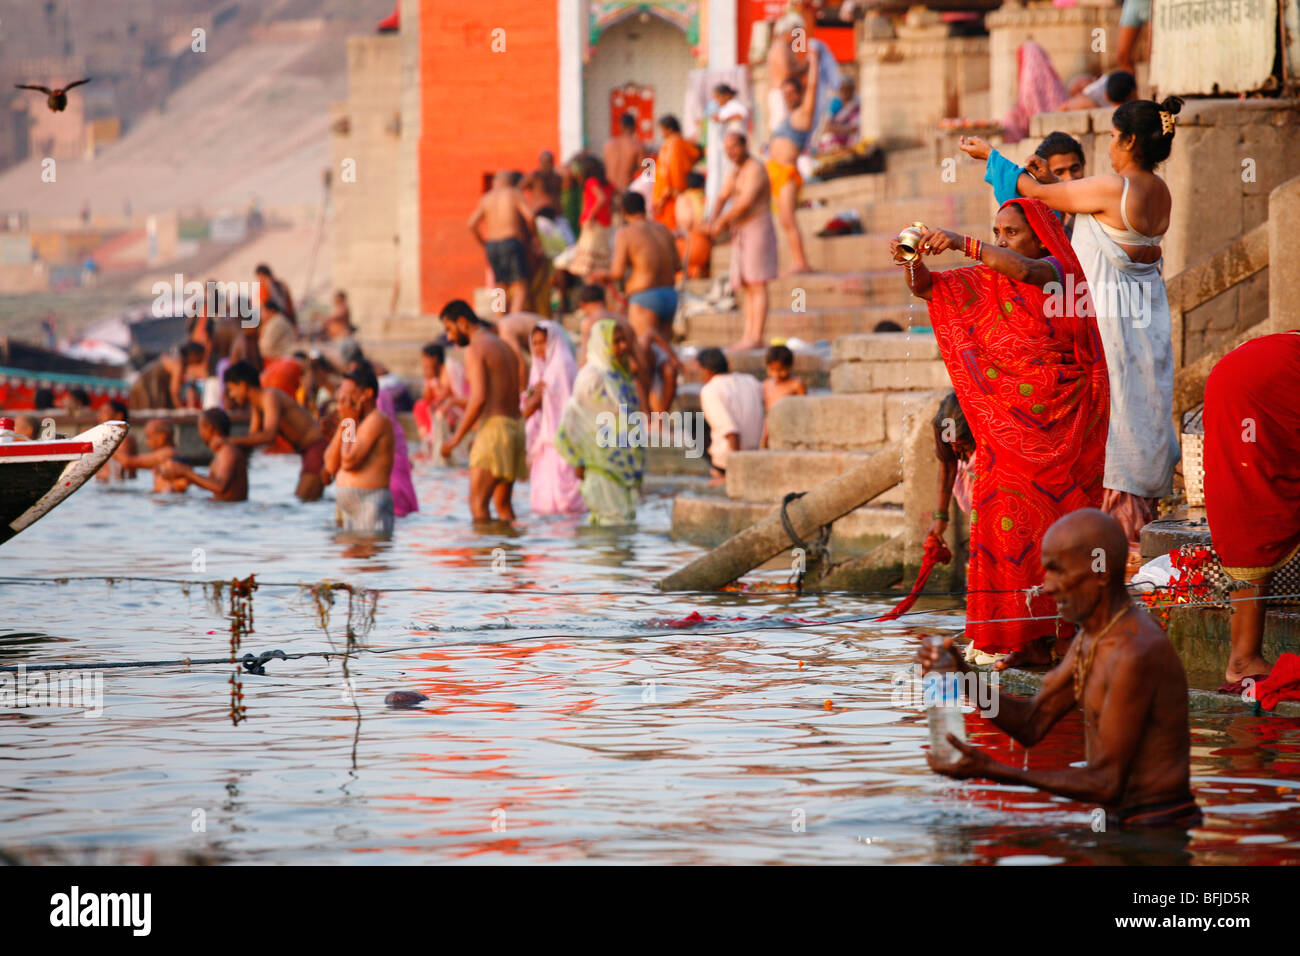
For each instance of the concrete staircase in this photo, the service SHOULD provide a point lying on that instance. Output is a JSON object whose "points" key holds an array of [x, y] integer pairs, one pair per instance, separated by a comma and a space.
{"points": [[856, 285], [883, 387], [879, 383]]}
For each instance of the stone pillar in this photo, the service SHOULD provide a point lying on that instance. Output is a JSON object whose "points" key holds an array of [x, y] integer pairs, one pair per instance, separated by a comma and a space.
{"points": [[910, 81], [572, 14], [408, 165], [721, 55], [366, 143], [1283, 257], [1069, 34]]}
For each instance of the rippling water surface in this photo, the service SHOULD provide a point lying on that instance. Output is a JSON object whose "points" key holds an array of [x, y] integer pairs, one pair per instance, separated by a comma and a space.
{"points": [[564, 721]]}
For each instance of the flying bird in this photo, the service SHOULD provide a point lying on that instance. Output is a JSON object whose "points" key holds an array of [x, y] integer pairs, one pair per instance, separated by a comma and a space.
{"points": [[58, 99]]}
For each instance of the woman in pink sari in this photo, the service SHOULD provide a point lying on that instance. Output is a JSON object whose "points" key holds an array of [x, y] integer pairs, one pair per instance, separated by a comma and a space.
{"points": [[1038, 90], [553, 485], [400, 484]]}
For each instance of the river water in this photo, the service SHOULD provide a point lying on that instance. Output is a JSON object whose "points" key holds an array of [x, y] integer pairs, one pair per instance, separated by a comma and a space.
{"points": [[565, 722]]}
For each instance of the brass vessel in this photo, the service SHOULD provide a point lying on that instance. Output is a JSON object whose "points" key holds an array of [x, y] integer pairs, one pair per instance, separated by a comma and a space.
{"points": [[909, 242]]}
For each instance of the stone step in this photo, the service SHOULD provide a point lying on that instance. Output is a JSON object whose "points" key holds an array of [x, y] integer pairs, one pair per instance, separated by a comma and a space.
{"points": [[709, 520], [405, 328], [868, 187], [909, 173], [844, 422], [890, 215], [868, 251], [769, 475], [399, 357], [932, 179], [814, 325], [888, 361], [826, 290], [884, 347], [899, 376]]}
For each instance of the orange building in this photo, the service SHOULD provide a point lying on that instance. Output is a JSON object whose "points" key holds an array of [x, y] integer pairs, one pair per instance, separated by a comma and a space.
{"points": [[501, 80]]}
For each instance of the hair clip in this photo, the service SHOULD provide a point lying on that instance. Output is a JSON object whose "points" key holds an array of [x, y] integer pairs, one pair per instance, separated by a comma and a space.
{"points": [[1166, 123]]}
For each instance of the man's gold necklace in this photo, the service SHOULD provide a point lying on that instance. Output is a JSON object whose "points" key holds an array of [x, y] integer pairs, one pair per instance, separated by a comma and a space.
{"points": [[1083, 663]]}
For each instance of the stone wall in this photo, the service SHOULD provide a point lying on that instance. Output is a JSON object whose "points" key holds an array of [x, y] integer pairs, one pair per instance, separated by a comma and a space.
{"points": [[408, 169], [1228, 156], [366, 135], [1067, 34], [908, 83]]}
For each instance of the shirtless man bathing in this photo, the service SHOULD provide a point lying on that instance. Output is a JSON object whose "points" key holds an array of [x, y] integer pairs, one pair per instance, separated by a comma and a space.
{"points": [[361, 455], [645, 258], [227, 476], [497, 458], [1123, 671], [503, 224], [746, 196], [275, 413]]}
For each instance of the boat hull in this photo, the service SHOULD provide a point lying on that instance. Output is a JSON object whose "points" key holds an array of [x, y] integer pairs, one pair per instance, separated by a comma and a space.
{"points": [[37, 476]]}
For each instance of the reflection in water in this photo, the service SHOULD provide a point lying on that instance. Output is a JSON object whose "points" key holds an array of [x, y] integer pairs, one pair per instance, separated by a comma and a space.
{"points": [[559, 724]]}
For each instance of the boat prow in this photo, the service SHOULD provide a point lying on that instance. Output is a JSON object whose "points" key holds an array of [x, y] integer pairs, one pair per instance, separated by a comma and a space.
{"points": [[36, 476]]}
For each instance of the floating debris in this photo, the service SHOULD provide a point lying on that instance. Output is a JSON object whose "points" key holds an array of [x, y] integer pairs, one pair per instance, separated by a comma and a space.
{"points": [[404, 699]]}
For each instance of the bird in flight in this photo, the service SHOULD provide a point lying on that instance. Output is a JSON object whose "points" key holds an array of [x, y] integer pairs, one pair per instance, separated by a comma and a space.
{"points": [[58, 99]]}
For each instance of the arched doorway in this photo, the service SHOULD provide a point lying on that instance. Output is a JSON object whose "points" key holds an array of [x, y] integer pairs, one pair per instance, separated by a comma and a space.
{"points": [[643, 52]]}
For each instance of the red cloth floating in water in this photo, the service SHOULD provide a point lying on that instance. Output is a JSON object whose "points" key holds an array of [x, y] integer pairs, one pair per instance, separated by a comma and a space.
{"points": [[1283, 682], [936, 552]]}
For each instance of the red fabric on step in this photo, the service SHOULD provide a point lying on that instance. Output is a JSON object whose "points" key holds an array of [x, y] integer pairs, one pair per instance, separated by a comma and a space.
{"points": [[1283, 682]]}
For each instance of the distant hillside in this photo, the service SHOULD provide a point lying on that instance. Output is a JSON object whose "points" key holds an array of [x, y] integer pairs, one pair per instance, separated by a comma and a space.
{"points": [[251, 123]]}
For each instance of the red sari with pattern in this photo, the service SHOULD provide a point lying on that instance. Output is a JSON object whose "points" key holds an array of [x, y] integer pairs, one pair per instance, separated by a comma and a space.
{"points": [[1030, 374]]}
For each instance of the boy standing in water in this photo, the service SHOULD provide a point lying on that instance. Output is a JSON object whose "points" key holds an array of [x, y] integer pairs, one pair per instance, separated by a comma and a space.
{"points": [[227, 476], [158, 436]]}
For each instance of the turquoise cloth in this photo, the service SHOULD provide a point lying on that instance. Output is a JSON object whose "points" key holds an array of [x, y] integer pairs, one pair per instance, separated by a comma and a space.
{"points": [[1001, 173]]}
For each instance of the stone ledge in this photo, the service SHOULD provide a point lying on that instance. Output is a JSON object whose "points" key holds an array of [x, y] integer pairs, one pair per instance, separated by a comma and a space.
{"points": [[709, 520], [895, 375], [884, 346]]}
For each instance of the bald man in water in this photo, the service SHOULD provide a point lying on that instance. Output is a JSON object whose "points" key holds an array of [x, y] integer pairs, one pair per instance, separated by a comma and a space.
{"points": [[1121, 668]]}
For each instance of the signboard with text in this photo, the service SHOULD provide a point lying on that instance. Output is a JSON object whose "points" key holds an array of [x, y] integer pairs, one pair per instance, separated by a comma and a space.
{"points": [[1213, 47]]}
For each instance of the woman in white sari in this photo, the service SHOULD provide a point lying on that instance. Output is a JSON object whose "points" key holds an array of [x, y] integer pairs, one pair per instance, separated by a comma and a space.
{"points": [[593, 428], [1120, 222]]}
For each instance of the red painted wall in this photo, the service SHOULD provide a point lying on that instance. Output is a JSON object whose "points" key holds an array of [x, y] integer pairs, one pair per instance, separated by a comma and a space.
{"points": [[482, 111]]}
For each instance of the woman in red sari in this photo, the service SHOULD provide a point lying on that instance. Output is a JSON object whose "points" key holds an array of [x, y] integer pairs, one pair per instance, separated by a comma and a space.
{"points": [[1020, 342]]}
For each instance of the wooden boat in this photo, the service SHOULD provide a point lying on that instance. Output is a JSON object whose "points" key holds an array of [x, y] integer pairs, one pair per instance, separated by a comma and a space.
{"points": [[36, 476]]}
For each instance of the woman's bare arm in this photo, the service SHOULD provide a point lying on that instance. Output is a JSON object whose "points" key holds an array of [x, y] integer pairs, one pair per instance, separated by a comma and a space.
{"points": [[1091, 194], [1013, 265]]}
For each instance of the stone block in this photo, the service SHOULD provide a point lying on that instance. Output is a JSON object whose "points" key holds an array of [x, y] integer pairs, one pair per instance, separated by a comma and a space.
{"points": [[1284, 256], [884, 346], [828, 422], [769, 475]]}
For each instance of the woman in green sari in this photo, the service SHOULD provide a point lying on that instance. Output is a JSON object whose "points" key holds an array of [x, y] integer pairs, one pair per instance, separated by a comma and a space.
{"points": [[593, 432]]}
